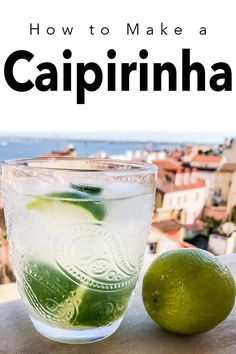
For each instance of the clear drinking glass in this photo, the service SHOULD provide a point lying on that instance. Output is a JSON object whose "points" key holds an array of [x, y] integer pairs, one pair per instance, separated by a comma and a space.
{"points": [[77, 230]]}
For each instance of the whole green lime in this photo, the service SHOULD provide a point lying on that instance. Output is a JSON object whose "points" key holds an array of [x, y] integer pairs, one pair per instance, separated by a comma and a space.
{"points": [[188, 291]]}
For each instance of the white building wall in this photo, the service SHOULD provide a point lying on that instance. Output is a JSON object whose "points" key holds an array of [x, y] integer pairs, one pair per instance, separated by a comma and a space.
{"points": [[217, 244], [199, 164], [213, 165], [230, 152], [191, 200], [208, 177]]}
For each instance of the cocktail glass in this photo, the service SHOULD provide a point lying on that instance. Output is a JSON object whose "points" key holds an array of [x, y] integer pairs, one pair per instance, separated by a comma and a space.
{"points": [[77, 230]]}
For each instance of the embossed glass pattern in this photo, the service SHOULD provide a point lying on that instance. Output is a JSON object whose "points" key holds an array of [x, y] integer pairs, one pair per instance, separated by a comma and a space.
{"points": [[77, 230]]}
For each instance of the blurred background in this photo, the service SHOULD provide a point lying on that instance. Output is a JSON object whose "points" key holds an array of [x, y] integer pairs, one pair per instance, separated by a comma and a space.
{"points": [[195, 204]]}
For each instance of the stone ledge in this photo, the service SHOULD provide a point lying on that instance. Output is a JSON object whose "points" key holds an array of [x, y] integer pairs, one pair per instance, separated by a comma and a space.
{"points": [[138, 334]]}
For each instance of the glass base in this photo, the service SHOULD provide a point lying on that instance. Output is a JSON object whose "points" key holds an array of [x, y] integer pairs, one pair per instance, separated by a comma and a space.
{"points": [[75, 336]]}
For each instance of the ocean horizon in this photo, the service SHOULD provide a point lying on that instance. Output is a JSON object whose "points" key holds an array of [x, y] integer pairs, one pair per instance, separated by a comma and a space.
{"points": [[207, 137], [31, 144], [12, 148]]}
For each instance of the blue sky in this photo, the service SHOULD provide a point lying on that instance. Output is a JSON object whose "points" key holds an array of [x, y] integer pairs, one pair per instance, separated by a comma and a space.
{"points": [[164, 136]]}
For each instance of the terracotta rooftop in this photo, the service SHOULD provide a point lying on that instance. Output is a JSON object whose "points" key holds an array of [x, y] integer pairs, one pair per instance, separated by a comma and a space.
{"points": [[217, 213], [184, 244], [198, 224], [207, 158], [167, 164], [66, 152], [228, 167], [175, 155], [155, 237], [167, 170], [54, 154], [167, 186], [167, 225]]}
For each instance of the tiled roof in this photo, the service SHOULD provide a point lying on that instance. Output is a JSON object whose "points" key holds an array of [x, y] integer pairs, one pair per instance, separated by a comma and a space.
{"points": [[184, 244], [167, 225], [198, 224], [207, 158], [217, 213], [167, 164], [66, 152], [170, 186], [228, 167], [175, 155], [167, 170], [55, 154]]}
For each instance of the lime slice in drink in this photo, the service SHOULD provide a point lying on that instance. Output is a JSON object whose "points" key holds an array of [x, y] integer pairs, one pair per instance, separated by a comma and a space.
{"points": [[88, 201], [94, 190], [99, 308], [58, 299]]}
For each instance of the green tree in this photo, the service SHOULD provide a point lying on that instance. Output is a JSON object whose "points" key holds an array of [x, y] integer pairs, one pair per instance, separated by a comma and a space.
{"points": [[209, 152], [233, 214], [211, 224]]}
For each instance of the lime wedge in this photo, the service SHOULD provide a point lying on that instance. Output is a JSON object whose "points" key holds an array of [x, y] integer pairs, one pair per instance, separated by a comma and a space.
{"points": [[80, 199], [47, 282], [58, 299], [95, 190], [99, 308]]}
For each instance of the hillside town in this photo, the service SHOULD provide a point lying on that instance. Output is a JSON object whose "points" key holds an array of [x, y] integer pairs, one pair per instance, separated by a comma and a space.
{"points": [[195, 197], [195, 204]]}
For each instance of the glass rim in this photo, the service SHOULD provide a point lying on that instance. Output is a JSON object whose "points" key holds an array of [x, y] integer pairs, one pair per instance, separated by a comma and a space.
{"points": [[124, 166]]}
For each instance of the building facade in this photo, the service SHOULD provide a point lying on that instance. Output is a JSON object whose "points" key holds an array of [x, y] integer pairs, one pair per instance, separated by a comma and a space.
{"points": [[181, 191]]}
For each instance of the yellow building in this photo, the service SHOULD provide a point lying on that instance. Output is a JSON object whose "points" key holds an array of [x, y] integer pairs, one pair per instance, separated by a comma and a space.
{"points": [[232, 193], [222, 183]]}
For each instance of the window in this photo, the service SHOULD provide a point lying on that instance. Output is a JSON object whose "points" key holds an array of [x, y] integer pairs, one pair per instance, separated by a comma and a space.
{"points": [[153, 248], [169, 202], [197, 197], [178, 200], [185, 199], [186, 217]]}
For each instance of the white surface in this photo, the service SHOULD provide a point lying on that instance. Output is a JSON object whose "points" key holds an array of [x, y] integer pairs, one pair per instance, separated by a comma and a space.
{"points": [[176, 111]]}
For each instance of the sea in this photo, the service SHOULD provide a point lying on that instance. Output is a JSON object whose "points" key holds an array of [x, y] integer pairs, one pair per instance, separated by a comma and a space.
{"points": [[12, 148]]}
